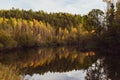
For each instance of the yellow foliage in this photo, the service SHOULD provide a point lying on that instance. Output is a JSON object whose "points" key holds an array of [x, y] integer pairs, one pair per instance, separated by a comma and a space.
{"points": [[91, 53], [66, 54], [74, 30], [93, 31], [1, 20], [8, 73], [66, 31], [14, 22], [63, 37], [30, 23], [74, 56], [60, 30], [63, 48]]}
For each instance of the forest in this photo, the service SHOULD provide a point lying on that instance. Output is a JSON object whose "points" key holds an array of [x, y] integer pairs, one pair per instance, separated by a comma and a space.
{"points": [[27, 28]]}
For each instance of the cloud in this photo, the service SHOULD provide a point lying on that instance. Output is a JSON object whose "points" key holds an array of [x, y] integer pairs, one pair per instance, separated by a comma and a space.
{"points": [[72, 75], [70, 6]]}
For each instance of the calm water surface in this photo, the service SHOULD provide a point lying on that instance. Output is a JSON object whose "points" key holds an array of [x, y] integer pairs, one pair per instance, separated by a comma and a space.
{"points": [[63, 64]]}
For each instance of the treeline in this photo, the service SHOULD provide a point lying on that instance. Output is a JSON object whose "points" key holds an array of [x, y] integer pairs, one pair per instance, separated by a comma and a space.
{"points": [[54, 19], [23, 33], [20, 31], [26, 33], [20, 28]]}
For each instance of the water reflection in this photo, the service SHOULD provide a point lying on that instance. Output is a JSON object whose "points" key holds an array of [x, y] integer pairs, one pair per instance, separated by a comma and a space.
{"points": [[72, 75], [64, 64], [48, 59], [107, 67], [97, 71]]}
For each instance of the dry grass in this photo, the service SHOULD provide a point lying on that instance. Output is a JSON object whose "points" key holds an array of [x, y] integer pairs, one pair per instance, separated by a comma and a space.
{"points": [[8, 73]]}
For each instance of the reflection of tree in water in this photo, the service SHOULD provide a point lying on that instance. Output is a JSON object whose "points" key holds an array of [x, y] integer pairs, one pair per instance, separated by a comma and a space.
{"points": [[106, 68], [113, 66], [54, 60], [96, 71], [60, 60]]}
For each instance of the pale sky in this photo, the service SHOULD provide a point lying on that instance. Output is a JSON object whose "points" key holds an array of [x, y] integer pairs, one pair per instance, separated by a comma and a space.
{"points": [[69, 6], [71, 75]]}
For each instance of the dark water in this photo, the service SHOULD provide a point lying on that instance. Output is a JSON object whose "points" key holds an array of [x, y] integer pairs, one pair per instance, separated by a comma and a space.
{"points": [[63, 64]]}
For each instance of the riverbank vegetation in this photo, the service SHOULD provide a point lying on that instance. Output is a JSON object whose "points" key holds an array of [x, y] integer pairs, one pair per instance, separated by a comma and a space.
{"points": [[18, 32], [21, 28]]}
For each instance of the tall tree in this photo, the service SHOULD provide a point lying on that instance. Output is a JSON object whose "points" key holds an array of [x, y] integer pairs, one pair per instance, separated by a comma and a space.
{"points": [[95, 20]]}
